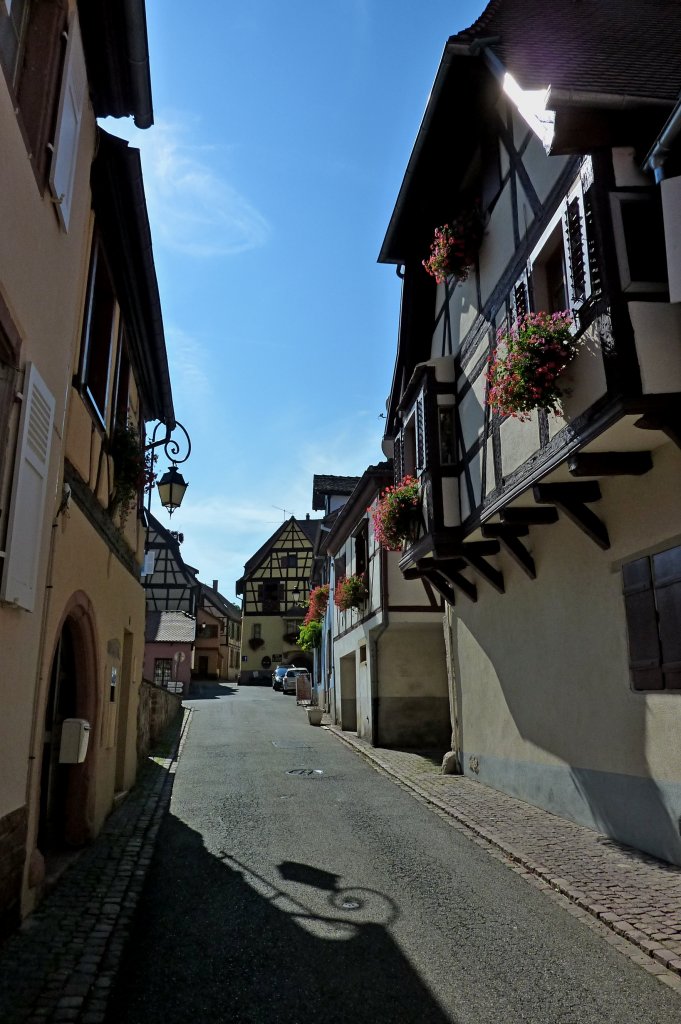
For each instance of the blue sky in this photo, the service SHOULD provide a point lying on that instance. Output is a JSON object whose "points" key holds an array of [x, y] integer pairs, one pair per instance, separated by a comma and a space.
{"points": [[282, 132]]}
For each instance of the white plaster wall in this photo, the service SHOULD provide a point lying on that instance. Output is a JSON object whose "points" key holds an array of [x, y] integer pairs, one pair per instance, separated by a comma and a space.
{"points": [[657, 331], [543, 668], [519, 440]]}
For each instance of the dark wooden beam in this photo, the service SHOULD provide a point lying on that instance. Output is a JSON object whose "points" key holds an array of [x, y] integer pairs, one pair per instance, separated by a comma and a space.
{"points": [[664, 415], [610, 463], [510, 538], [450, 569], [439, 583], [500, 531], [479, 548], [572, 499], [487, 571], [529, 516], [582, 491]]}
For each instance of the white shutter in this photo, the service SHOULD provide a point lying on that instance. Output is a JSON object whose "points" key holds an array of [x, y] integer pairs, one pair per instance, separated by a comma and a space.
{"points": [[69, 117], [27, 504]]}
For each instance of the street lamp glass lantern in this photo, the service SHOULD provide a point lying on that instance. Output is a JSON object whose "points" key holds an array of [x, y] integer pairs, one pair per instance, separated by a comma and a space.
{"points": [[171, 488]]}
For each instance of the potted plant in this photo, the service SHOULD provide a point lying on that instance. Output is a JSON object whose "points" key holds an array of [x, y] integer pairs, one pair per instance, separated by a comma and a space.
{"points": [[350, 592], [314, 715], [310, 635], [455, 246], [133, 469], [523, 373], [395, 515], [317, 604]]}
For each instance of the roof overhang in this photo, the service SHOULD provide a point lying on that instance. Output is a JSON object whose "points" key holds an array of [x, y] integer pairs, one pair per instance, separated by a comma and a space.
{"points": [[117, 57], [121, 213]]}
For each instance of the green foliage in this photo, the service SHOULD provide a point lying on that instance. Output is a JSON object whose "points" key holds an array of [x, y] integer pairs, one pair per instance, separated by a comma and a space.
{"points": [[310, 635]]}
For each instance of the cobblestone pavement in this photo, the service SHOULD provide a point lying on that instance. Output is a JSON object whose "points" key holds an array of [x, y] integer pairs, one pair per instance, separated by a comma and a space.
{"points": [[60, 965], [636, 897]]}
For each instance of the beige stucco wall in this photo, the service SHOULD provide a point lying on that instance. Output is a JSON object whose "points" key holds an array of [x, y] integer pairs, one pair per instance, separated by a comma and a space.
{"points": [[42, 280], [541, 672]]}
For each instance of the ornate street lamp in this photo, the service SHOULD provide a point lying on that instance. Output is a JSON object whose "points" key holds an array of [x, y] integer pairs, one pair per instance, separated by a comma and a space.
{"points": [[172, 485]]}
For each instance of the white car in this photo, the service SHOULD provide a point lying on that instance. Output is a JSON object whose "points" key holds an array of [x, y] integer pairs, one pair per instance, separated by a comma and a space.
{"points": [[288, 683]]}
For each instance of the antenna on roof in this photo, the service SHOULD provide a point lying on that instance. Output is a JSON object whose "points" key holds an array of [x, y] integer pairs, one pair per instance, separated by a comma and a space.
{"points": [[283, 510]]}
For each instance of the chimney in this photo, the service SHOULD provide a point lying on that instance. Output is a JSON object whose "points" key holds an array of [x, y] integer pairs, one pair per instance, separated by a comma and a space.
{"points": [[215, 585], [307, 515]]}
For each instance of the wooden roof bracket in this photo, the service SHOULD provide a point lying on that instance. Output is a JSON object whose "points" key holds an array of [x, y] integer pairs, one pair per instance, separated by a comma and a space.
{"points": [[572, 500], [509, 536]]}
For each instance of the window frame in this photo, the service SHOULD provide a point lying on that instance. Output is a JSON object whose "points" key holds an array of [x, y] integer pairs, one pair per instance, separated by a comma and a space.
{"points": [[647, 616], [88, 343]]}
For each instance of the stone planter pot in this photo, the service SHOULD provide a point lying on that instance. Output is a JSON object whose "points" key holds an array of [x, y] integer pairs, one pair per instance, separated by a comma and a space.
{"points": [[314, 716]]}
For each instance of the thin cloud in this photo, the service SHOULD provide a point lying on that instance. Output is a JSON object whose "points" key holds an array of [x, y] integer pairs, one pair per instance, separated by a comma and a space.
{"points": [[194, 210]]}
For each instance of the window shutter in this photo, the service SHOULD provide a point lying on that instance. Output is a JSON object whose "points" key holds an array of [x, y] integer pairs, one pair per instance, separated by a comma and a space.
{"points": [[421, 449], [69, 117], [644, 645], [576, 250], [398, 458], [591, 244], [520, 296], [27, 505], [667, 573]]}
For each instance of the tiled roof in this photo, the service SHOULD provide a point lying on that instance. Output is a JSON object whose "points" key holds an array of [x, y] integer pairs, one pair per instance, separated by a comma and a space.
{"points": [[170, 627], [620, 47], [327, 484]]}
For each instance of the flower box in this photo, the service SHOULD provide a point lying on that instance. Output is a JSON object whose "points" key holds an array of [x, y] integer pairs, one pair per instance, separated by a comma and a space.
{"points": [[524, 372], [396, 516], [350, 592], [455, 246]]}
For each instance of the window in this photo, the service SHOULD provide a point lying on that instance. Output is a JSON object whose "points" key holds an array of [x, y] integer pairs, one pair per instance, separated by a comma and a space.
{"points": [[288, 560], [162, 671], [270, 595], [639, 239], [32, 52], [98, 327], [549, 285], [652, 598], [122, 382], [9, 368], [208, 631], [361, 551], [256, 631], [446, 424]]}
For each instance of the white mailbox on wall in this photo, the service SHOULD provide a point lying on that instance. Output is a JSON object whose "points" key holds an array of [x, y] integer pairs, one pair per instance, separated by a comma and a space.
{"points": [[75, 733]]}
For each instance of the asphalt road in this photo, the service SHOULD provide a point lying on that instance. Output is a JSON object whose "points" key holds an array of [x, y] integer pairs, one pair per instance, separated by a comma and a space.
{"points": [[338, 897]]}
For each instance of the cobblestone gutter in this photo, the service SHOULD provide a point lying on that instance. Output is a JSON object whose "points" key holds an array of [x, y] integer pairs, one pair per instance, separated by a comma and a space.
{"points": [[61, 963]]}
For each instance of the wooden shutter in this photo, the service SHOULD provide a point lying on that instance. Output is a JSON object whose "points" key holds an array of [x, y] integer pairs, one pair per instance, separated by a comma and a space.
{"points": [[644, 645], [591, 244], [520, 297], [667, 578], [69, 117], [420, 436], [576, 250], [27, 505], [38, 78], [398, 458]]}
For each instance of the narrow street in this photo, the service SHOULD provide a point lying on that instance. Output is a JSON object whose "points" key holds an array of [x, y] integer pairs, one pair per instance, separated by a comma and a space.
{"points": [[336, 896]]}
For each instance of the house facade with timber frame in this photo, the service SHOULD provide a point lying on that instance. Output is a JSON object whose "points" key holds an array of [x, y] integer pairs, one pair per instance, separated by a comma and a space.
{"points": [[274, 588], [555, 539], [389, 668]]}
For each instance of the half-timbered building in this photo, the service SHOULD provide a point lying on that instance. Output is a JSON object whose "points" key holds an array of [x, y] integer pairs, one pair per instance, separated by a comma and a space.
{"points": [[170, 584], [274, 588], [218, 635], [553, 536], [390, 676]]}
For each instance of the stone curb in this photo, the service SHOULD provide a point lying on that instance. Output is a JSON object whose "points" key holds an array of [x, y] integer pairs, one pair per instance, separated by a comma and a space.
{"points": [[60, 966], [654, 957]]}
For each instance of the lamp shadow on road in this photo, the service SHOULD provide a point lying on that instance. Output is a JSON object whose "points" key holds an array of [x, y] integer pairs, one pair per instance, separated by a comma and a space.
{"points": [[215, 941]]}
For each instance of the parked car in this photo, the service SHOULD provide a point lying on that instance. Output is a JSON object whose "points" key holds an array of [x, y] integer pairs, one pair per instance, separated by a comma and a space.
{"points": [[279, 673], [289, 680]]}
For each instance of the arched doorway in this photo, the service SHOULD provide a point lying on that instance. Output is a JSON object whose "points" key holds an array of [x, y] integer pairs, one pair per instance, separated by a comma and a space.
{"points": [[54, 777], [66, 791]]}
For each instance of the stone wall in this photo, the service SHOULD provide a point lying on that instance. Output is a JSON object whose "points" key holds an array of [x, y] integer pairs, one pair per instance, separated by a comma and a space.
{"points": [[157, 708], [12, 855]]}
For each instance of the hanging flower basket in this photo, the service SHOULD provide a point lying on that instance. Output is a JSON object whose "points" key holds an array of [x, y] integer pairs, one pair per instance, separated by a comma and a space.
{"points": [[317, 604], [350, 592], [310, 635], [455, 246], [397, 513], [523, 374], [255, 642]]}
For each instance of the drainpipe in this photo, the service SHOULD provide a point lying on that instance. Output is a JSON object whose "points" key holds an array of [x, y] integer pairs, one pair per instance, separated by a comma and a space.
{"points": [[657, 157]]}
